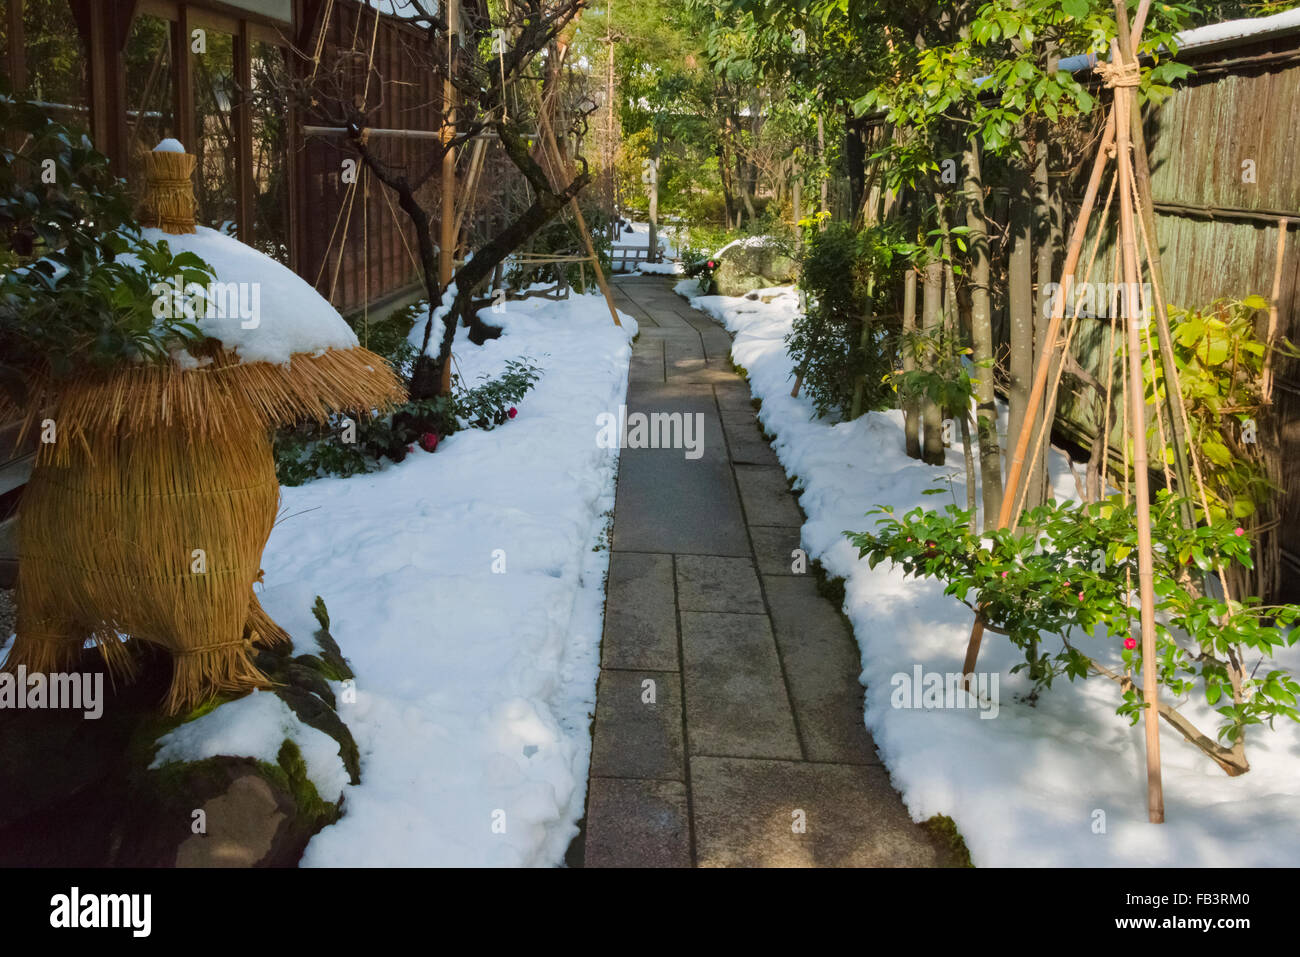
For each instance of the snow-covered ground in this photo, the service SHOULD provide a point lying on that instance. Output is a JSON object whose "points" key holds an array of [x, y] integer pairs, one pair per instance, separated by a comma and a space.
{"points": [[640, 236], [466, 588], [1059, 783]]}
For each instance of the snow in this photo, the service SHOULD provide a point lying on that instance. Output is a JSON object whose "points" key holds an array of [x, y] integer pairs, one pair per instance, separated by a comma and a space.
{"points": [[473, 690], [406, 9], [1231, 30], [668, 237], [255, 726], [660, 269], [1024, 788], [748, 242], [279, 314]]}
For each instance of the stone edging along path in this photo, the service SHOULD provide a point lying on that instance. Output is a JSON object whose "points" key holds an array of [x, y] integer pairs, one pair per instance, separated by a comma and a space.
{"points": [[728, 727]]}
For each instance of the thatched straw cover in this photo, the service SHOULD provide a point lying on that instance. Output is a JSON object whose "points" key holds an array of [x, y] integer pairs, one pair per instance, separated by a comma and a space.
{"points": [[148, 515], [168, 201]]}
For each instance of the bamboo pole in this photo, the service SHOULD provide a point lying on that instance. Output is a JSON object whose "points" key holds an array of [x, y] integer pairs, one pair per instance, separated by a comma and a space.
{"points": [[1125, 84], [548, 138], [1266, 384]]}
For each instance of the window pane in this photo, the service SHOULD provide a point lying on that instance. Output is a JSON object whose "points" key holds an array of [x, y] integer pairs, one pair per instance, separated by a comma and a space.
{"points": [[56, 62], [150, 95], [270, 114], [214, 143]]}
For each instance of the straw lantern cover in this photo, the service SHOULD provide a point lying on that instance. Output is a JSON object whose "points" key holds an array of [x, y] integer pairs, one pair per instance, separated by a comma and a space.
{"points": [[146, 518]]}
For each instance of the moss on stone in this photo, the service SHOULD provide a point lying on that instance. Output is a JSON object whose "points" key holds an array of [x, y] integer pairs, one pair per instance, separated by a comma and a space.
{"points": [[944, 831]]}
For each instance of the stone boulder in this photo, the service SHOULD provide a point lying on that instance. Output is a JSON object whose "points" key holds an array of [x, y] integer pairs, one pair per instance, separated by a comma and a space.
{"points": [[110, 792], [752, 264]]}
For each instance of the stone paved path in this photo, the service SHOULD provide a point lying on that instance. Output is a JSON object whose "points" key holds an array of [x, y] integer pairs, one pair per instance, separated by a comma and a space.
{"points": [[754, 723]]}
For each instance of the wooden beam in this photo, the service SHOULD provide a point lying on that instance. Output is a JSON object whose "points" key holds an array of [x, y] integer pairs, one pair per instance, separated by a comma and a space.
{"points": [[372, 131], [17, 52]]}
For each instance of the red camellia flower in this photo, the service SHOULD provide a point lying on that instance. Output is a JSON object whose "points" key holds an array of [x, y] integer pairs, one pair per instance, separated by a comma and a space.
{"points": [[1130, 643], [429, 441], [711, 266], [512, 412]]}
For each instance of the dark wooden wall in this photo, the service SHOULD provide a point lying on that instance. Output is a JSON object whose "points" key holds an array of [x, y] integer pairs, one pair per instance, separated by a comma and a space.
{"points": [[374, 262]]}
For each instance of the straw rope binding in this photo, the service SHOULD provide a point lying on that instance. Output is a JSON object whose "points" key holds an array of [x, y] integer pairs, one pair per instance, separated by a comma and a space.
{"points": [[168, 201]]}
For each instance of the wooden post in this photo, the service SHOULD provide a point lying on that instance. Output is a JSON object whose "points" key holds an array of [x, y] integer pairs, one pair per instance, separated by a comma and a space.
{"points": [[183, 79], [244, 205], [17, 52], [611, 149], [1266, 380]]}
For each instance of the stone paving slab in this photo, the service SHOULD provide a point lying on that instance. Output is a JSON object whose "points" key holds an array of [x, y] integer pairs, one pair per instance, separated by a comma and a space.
{"points": [[638, 727], [768, 500], [746, 441], [736, 702], [734, 396], [684, 356], [647, 363], [715, 583], [640, 620], [821, 663], [745, 816], [637, 824], [773, 548], [668, 503]]}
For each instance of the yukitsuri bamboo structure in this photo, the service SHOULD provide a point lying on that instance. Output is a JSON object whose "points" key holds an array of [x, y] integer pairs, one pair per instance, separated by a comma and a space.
{"points": [[148, 515]]}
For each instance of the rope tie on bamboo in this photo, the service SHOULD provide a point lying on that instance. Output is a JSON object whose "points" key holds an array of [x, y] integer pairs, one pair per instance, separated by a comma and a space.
{"points": [[1120, 75]]}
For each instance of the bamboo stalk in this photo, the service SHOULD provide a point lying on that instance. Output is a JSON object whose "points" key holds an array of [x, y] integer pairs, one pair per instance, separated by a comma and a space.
{"points": [[1141, 479], [1266, 384]]}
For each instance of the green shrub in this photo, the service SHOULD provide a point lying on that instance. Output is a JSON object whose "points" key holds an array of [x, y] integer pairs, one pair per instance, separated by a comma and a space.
{"points": [[1069, 572], [67, 303], [837, 269]]}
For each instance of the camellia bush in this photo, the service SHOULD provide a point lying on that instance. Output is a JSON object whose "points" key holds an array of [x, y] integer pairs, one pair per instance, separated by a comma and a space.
{"points": [[1071, 572], [344, 447]]}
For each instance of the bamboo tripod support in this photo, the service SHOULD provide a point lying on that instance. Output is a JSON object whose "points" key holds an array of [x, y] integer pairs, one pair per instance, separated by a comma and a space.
{"points": [[1123, 76], [553, 153]]}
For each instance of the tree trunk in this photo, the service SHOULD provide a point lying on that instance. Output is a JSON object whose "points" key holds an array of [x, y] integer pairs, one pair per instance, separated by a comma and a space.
{"points": [[969, 457], [855, 155], [1046, 233], [865, 345], [911, 408], [932, 324], [977, 273], [821, 169], [652, 252]]}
